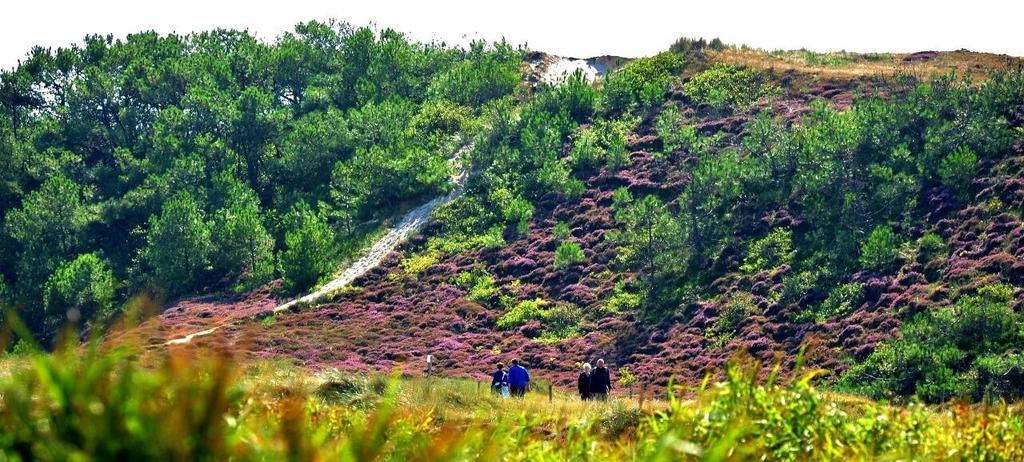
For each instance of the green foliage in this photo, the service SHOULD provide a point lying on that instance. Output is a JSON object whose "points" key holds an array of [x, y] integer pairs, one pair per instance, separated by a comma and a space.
{"points": [[479, 284], [674, 135], [930, 246], [561, 231], [963, 351], [307, 257], [80, 289], [568, 253], [841, 301], [796, 285], [244, 250], [692, 46], [769, 252], [881, 250], [48, 228], [642, 82], [727, 87], [734, 314], [380, 177], [179, 245], [957, 169], [561, 322], [522, 313], [519, 211], [485, 76], [416, 264], [649, 241], [575, 95], [622, 300]]}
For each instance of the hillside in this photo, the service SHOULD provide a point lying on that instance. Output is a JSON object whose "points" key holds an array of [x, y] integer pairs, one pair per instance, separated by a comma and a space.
{"points": [[679, 210], [393, 317]]}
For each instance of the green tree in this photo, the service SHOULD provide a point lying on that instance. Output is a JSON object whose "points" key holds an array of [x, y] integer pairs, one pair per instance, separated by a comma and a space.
{"points": [[80, 289], [48, 229], [243, 249], [880, 250], [178, 245], [568, 253], [308, 254], [957, 169], [650, 241]]}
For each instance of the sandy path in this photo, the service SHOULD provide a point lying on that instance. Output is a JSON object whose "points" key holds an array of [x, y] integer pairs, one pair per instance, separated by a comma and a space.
{"points": [[555, 69], [407, 226]]}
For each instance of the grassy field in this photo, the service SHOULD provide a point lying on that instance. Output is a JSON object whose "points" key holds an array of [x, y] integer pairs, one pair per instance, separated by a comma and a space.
{"points": [[88, 404]]}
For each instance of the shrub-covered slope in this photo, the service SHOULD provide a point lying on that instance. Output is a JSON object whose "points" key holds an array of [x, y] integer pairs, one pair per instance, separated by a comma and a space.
{"points": [[765, 213]]}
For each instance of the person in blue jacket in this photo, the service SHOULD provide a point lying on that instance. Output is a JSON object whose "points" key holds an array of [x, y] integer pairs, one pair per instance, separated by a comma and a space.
{"points": [[518, 379], [499, 379]]}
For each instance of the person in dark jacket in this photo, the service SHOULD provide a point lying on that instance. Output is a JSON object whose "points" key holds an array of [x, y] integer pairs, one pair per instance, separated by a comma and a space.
{"points": [[583, 382], [499, 379], [600, 382], [518, 379]]}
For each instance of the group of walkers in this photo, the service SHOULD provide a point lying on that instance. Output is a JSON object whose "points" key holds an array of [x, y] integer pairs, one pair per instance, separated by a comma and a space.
{"points": [[594, 383]]}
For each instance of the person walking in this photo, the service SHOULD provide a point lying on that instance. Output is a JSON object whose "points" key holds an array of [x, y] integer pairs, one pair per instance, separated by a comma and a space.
{"points": [[600, 382], [583, 382], [499, 381], [518, 379]]}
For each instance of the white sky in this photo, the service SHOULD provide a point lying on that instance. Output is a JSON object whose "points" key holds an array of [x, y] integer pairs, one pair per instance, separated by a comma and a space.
{"points": [[567, 27]]}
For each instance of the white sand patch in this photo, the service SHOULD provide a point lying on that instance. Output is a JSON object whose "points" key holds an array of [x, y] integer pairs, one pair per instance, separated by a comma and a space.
{"points": [[559, 69]]}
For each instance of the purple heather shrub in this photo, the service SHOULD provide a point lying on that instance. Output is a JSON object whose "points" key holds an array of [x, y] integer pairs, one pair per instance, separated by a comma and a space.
{"points": [[578, 294]]}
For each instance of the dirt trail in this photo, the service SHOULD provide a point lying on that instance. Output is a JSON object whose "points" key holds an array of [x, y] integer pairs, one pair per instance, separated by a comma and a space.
{"points": [[409, 224]]}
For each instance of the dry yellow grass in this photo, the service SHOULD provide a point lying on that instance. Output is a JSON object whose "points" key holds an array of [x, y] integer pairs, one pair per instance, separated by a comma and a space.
{"points": [[846, 66]]}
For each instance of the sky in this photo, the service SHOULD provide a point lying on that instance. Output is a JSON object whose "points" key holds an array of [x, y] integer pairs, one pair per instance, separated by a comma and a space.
{"points": [[568, 28]]}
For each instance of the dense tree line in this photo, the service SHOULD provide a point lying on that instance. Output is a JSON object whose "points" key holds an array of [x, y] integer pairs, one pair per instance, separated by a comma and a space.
{"points": [[215, 160]]}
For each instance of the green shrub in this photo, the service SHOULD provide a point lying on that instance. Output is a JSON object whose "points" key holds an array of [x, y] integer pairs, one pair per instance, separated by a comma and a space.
{"points": [[674, 134], [244, 249], [795, 285], [930, 246], [561, 322], [440, 117], [735, 312], [586, 153], [568, 253], [603, 143], [560, 231], [488, 76], [688, 45], [479, 284], [622, 300], [576, 96], [519, 211], [307, 257], [969, 350], [842, 300], [881, 249], [81, 289], [725, 86], [522, 313], [642, 82], [957, 169], [416, 264], [769, 252]]}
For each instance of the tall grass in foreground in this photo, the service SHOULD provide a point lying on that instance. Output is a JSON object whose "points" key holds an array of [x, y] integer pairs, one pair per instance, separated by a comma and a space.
{"points": [[87, 403]]}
